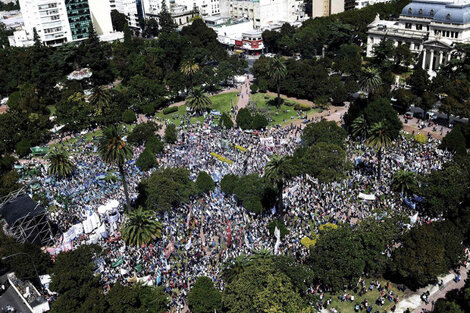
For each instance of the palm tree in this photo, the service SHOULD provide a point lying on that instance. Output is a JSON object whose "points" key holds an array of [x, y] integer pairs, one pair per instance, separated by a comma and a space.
{"points": [[141, 228], [277, 71], [100, 99], [379, 139], [359, 127], [404, 182], [114, 150], [261, 254], [278, 170], [189, 68], [235, 267], [198, 101], [60, 163], [370, 80]]}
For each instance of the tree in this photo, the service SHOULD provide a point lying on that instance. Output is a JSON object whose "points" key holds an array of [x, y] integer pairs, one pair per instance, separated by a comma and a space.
{"points": [[166, 188], [204, 183], [324, 161], [383, 52], [198, 102], [278, 171], [419, 81], [225, 121], [118, 20], [360, 128], [146, 160], [427, 251], [72, 277], [228, 183], [100, 99], [136, 298], [381, 111], [150, 28], [379, 139], [323, 131], [337, 259], [171, 134], [405, 182], [403, 55], [114, 150], [244, 119], [203, 297], [259, 122], [154, 144], [165, 20], [141, 228], [370, 80], [23, 147], [142, 132], [189, 68], [455, 141], [277, 71], [234, 267], [261, 288], [128, 116], [60, 163], [251, 191]]}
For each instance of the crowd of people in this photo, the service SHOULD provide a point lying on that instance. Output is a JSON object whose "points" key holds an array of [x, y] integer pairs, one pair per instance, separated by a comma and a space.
{"points": [[194, 236]]}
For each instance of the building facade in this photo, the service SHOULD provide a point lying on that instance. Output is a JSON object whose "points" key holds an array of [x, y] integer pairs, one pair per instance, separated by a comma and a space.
{"points": [[264, 12], [430, 28], [327, 7], [60, 21], [129, 9]]}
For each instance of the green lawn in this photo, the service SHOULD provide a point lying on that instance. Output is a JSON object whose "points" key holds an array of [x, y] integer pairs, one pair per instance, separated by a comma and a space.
{"points": [[285, 115], [371, 296], [221, 103]]}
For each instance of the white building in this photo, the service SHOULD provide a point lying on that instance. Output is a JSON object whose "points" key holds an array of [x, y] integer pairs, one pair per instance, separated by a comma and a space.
{"points": [[363, 3], [264, 12], [204, 7], [129, 9], [327, 7], [59, 21], [430, 28]]}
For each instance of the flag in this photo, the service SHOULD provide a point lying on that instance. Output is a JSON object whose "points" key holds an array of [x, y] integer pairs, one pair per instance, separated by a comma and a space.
{"points": [[188, 245], [169, 249], [229, 233], [277, 234], [273, 210], [188, 219]]}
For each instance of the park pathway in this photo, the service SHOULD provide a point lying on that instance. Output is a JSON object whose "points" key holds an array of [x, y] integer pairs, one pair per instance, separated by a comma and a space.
{"points": [[245, 92]]}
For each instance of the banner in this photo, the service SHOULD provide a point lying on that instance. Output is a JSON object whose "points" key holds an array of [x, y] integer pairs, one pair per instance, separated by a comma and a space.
{"points": [[268, 141], [277, 234], [169, 249], [229, 233]]}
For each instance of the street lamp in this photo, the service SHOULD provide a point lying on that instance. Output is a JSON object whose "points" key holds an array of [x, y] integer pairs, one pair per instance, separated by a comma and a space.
{"points": [[19, 253]]}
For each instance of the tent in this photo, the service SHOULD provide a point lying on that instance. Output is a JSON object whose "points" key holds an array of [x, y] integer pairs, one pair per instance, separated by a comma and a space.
{"points": [[36, 151]]}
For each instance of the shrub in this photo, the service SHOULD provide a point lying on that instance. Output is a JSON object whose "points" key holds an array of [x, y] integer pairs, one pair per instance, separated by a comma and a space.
{"points": [[146, 160], [128, 116], [259, 122], [225, 121], [307, 242], [327, 227], [170, 110], [204, 183], [228, 183], [244, 119], [148, 109], [250, 191], [171, 134], [262, 85], [282, 228], [302, 107], [254, 88], [23, 147], [420, 138], [154, 144]]}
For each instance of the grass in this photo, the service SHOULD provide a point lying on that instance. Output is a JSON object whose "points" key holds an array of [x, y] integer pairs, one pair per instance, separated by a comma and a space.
{"points": [[222, 103], [371, 296], [285, 115]]}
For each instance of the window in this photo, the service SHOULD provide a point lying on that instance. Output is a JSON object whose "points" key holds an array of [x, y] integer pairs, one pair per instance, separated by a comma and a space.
{"points": [[419, 26], [408, 25]]}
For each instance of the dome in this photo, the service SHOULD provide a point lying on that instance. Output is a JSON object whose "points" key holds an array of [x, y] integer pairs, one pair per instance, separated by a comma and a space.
{"points": [[424, 8], [454, 13]]}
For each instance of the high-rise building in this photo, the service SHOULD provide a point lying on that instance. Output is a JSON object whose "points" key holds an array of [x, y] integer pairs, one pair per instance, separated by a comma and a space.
{"points": [[49, 18], [78, 12], [60, 21], [327, 7]]}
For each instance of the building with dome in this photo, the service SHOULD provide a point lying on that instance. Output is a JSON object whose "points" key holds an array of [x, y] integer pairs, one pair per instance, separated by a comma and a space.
{"points": [[430, 28]]}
